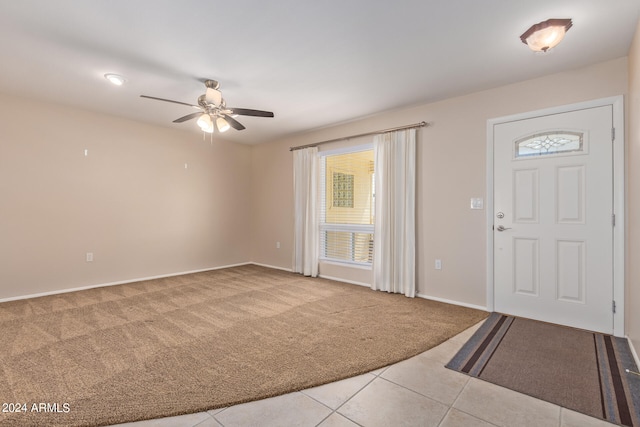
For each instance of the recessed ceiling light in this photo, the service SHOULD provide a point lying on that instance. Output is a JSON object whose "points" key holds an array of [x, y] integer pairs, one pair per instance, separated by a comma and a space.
{"points": [[116, 79]]}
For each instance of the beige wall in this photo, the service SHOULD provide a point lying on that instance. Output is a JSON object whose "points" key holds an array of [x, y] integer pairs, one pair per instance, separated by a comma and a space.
{"points": [[451, 169], [633, 196], [133, 204], [130, 201]]}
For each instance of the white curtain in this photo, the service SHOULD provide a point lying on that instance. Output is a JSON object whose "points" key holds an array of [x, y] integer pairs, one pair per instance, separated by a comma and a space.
{"points": [[394, 268], [305, 189]]}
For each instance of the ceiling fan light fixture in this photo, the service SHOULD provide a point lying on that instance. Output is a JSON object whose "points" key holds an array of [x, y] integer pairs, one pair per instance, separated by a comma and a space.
{"points": [[213, 111], [115, 79], [546, 35], [205, 122], [222, 124]]}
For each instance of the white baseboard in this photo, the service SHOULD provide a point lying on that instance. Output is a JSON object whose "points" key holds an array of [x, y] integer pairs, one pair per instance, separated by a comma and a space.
{"points": [[448, 301], [322, 276], [337, 279], [271, 266], [122, 282], [633, 351]]}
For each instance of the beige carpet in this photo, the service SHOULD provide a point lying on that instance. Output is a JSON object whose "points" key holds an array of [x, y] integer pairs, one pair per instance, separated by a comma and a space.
{"points": [[196, 342]]}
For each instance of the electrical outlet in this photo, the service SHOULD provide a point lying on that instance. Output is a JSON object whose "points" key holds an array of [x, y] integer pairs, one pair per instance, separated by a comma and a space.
{"points": [[277, 245], [89, 256], [438, 264]]}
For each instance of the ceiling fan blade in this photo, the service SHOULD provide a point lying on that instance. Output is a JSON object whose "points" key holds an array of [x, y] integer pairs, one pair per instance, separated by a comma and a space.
{"points": [[248, 112], [188, 117], [233, 122], [169, 100]]}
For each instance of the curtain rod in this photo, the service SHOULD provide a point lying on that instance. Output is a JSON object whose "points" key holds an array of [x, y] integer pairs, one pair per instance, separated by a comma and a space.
{"points": [[415, 125]]}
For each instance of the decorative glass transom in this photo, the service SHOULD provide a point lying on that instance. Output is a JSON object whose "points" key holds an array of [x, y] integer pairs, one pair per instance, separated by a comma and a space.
{"points": [[342, 190], [554, 142]]}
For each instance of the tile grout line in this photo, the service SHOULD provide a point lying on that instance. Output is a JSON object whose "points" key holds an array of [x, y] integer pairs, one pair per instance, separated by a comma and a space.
{"points": [[302, 392], [217, 420], [334, 411], [560, 416], [413, 391], [379, 376], [461, 390], [375, 376], [424, 395], [510, 391], [464, 412], [210, 416], [445, 416]]}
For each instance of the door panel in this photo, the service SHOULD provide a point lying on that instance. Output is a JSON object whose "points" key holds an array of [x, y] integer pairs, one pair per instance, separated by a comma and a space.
{"points": [[571, 268], [525, 196], [526, 266], [553, 199], [570, 194]]}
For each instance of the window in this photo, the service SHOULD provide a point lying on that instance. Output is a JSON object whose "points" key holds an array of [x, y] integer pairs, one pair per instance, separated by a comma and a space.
{"points": [[550, 143], [346, 206]]}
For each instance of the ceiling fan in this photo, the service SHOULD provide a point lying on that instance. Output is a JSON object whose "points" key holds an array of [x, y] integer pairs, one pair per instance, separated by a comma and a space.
{"points": [[214, 113]]}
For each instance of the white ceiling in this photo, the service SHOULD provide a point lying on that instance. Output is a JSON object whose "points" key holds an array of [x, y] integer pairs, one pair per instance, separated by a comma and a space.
{"points": [[312, 62]]}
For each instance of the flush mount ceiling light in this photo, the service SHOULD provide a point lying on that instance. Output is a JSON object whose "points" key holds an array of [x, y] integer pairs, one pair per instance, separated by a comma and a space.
{"points": [[545, 35], [116, 79]]}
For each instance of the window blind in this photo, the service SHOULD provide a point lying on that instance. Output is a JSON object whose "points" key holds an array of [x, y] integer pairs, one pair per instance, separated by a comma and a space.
{"points": [[347, 206]]}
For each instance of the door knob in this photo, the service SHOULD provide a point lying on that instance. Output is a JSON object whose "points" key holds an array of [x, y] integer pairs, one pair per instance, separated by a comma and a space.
{"points": [[502, 228]]}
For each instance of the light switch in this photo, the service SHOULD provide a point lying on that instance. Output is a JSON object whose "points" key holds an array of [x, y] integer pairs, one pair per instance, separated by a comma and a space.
{"points": [[477, 203]]}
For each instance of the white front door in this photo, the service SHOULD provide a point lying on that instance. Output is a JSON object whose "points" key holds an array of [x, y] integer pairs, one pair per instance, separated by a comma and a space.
{"points": [[553, 207]]}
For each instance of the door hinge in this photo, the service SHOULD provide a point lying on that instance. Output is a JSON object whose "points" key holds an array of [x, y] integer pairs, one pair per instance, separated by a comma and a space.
{"points": [[613, 306], [613, 134], [613, 220]]}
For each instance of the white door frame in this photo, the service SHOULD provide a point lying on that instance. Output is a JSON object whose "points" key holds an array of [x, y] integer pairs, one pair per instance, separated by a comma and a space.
{"points": [[618, 197]]}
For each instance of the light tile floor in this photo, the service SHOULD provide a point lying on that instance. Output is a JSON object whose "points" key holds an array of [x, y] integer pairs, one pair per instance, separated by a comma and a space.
{"points": [[416, 392]]}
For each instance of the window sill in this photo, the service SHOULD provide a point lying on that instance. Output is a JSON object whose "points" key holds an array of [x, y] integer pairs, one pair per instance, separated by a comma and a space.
{"points": [[356, 265]]}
